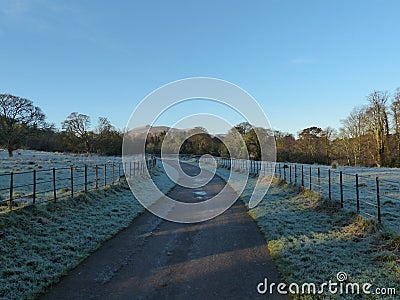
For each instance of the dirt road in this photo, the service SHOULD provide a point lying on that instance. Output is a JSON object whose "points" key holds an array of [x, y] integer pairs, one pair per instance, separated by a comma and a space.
{"points": [[224, 258]]}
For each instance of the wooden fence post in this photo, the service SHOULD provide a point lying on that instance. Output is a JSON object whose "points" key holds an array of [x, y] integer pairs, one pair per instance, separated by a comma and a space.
{"points": [[86, 178], [105, 174], [97, 177], [329, 184], [280, 172], [113, 173], [284, 172], [72, 181], [341, 189], [10, 204], [54, 185], [378, 200], [357, 194], [34, 187]]}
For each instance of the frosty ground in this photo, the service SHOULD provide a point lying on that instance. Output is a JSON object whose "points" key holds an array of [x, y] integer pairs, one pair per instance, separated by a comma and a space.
{"points": [[25, 161], [312, 240], [389, 186], [38, 244]]}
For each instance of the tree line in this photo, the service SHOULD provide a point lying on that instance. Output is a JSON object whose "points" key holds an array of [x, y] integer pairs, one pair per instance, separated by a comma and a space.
{"points": [[23, 125], [369, 136]]}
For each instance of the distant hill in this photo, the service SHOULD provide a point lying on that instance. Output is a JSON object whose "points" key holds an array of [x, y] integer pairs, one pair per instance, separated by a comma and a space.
{"points": [[139, 131], [151, 129]]}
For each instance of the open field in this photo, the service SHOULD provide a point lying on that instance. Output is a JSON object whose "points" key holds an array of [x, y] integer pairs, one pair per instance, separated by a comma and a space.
{"points": [[35, 177], [347, 184], [38, 244], [25, 162], [389, 188], [312, 240]]}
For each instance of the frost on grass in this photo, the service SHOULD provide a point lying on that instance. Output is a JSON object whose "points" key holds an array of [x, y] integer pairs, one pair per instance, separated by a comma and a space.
{"points": [[145, 189], [26, 161], [39, 244], [311, 240]]}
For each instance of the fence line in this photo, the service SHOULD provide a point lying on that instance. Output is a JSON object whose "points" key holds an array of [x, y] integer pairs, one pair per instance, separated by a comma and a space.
{"points": [[27, 188], [370, 196]]}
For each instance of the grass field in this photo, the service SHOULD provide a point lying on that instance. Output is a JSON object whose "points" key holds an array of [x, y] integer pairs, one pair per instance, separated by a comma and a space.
{"points": [[38, 244], [311, 240]]}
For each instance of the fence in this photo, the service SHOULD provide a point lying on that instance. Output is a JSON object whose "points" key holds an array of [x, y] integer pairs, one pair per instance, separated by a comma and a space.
{"points": [[370, 196], [20, 189]]}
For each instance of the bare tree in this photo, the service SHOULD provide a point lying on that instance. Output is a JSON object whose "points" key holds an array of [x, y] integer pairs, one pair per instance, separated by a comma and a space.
{"points": [[378, 124], [104, 126], [328, 135], [78, 125], [395, 109], [352, 134], [17, 117]]}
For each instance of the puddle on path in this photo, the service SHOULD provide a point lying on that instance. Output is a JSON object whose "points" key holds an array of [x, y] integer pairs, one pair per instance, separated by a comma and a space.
{"points": [[200, 193]]}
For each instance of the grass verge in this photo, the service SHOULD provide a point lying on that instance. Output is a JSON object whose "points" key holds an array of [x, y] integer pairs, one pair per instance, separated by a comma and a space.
{"points": [[39, 244], [312, 239]]}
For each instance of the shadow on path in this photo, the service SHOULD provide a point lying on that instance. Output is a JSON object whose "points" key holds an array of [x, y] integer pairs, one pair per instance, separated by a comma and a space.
{"points": [[225, 257]]}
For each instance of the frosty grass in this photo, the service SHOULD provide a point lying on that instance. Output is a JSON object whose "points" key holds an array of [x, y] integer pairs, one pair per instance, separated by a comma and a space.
{"points": [[311, 240], [25, 161], [39, 244]]}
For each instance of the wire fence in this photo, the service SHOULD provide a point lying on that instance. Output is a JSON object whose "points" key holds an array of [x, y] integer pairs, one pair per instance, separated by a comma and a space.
{"points": [[371, 196], [25, 188]]}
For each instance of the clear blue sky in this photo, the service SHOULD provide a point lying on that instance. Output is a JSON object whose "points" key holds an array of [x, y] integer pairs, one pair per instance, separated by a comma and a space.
{"points": [[306, 62]]}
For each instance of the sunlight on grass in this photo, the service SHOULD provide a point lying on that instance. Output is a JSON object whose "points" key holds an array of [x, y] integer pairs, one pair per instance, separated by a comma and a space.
{"points": [[312, 239]]}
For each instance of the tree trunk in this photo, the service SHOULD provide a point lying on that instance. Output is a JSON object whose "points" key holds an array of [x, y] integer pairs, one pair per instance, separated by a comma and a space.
{"points": [[398, 152], [87, 146], [10, 152]]}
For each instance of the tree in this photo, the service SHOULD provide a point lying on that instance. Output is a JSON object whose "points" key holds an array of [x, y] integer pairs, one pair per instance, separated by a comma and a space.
{"points": [[378, 125], [17, 117], [235, 144], [395, 109], [108, 141], [352, 135], [309, 144], [244, 127], [285, 146], [327, 141], [253, 144], [78, 125]]}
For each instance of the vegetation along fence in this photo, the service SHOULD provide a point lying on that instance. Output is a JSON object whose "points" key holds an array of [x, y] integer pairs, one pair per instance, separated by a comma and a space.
{"points": [[24, 188], [372, 196]]}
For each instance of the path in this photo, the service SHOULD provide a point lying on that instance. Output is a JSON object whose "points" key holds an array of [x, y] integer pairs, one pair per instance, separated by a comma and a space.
{"points": [[225, 257]]}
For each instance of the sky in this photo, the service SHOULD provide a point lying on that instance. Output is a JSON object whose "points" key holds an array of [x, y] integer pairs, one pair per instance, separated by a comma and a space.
{"points": [[307, 63]]}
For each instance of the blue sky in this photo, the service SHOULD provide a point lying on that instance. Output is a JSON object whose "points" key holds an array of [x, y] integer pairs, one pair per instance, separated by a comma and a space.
{"points": [[306, 62]]}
